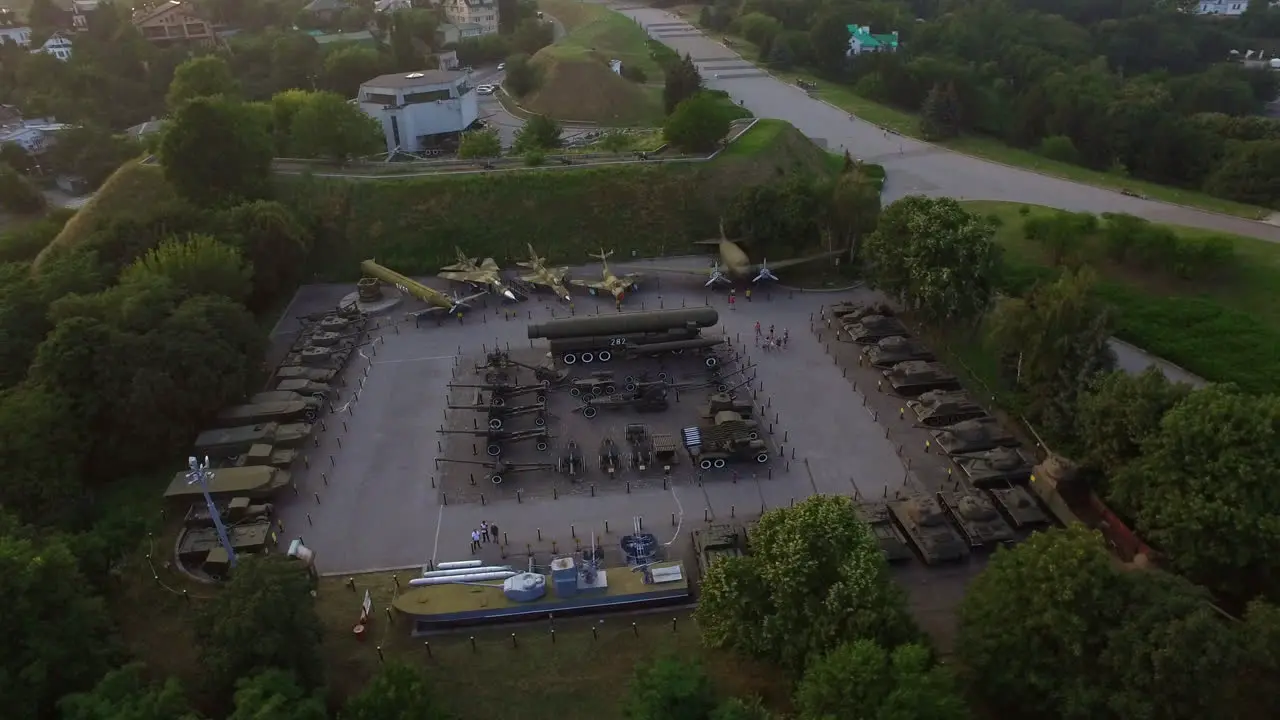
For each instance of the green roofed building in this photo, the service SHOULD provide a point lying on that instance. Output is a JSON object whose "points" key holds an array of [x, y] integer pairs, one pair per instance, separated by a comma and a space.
{"points": [[862, 41]]}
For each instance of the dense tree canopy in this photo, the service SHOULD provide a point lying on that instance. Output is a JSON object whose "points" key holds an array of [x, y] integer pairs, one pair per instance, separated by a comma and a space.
{"points": [[862, 680], [697, 124], [1120, 411], [275, 694], [200, 77], [668, 689], [215, 152], [397, 692], [125, 694]]}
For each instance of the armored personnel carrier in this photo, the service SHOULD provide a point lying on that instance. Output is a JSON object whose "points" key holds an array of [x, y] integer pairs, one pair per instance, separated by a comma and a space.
{"points": [[973, 436], [976, 517], [234, 510], [914, 377], [717, 542], [305, 409], [1019, 507], [724, 402], [731, 438], [194, 544], [258, 482], [939, 408], [890, 351], [261, 454], [229, 442], [927, 529], [892, 544], [310, 388], [874, 328], [299, 372], [998, 467]]}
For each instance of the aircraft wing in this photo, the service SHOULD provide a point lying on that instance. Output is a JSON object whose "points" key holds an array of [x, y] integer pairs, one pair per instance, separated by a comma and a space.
{"points": [[594, 285], [457, 267], [650, 269], [490, 265], [466, 277], [799, 261]]}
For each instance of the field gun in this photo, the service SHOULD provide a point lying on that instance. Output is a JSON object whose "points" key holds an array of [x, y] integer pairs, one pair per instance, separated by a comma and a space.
{"points": [[498, 469], [497, 438], [501, 392], [499, 414], [501, 359]]}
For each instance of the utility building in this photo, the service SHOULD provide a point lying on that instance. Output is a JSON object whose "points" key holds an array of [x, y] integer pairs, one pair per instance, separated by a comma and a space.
{"points": [[420, 110]]}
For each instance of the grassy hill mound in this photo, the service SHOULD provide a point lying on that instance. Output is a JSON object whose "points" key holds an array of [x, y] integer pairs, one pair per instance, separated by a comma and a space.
{"points": [[652, 209], [132, 192], [576, 82]]}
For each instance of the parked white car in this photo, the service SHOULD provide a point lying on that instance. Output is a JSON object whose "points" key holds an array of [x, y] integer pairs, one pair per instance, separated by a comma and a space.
{"points": [[502, 66], [486, 89]]}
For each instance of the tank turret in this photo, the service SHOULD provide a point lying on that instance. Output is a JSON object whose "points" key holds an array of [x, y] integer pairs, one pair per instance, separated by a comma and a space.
{"points": [[996, 467], [916, 376], [1019, 507], [892, 544], [976, 517], [875, 327], [890, 351], [923, 521], [973, 436], [939, 408]]}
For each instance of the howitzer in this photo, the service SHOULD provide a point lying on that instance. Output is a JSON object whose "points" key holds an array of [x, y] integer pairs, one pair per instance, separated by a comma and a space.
{"points": [[497, 437], [499, 359], [500, 393], [499, 414], [499, 469]]}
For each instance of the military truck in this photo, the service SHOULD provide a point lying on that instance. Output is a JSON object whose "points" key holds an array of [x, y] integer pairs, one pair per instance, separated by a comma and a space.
{"points": [[235, 510], [229, 442], [874, 328], [973, 436], [260, 454], [258, 482], [914, 377], [926, 527], [892, 544], [717, 542], [997, 467], [305, 410], [1019, 507], [299, 372], [939, 408], [890, 351], [318, 390], [976, 517], [731, 438]]}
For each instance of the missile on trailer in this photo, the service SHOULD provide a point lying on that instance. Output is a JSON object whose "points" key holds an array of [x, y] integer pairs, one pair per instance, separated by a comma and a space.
{"points": [[627, 322]]}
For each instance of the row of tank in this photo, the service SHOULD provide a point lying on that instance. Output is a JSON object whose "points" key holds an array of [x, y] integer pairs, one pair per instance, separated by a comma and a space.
{"points": [[251, 447], [994, 504]]}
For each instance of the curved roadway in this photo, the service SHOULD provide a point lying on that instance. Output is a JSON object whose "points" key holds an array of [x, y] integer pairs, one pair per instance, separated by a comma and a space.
{"points": [[914, 167]]}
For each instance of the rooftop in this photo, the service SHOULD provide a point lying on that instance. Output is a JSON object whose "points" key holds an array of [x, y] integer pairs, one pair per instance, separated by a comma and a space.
{"points": [[356, 37], [864, 35], [414, 79], [325, 6]]}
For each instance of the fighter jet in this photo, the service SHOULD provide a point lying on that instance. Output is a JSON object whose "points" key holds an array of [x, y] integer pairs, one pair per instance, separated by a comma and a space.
{"points": [[733, 265], [616, 286], [437, 302], [478, 275], [551, 278]]}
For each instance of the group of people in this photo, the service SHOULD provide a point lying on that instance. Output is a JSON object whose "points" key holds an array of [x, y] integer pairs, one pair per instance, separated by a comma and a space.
{"points": [[771, 341], [486, 533]]}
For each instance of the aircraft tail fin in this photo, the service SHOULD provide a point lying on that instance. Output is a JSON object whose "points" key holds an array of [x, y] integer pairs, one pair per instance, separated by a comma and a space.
{"points": [[724, 237]]}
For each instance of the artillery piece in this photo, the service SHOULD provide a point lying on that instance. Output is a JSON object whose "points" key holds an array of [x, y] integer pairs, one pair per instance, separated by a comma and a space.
{"points": [[610, 458], [653, 399], [497, 438], [498, 469], [500, 393], [500, 414], [570, 461], [497, 360], [596, 384], [639, 446]]}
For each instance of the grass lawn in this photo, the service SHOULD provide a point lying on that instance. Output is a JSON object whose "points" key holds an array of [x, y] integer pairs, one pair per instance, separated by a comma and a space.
{"points": [[1225, 329]]}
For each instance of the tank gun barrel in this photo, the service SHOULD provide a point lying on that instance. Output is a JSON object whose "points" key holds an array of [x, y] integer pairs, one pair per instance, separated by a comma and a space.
{"points": [[628, 322]]}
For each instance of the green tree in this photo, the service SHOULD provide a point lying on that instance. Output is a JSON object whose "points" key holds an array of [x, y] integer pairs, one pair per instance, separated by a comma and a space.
{"points": [[1120, 411], [681, 81], [782, 217], [274, 694], [328, 126], [830, 41], [669, 689], [521, 78], [940, 114], [697, 125], [58, 627], [1033, 625], [23, 321], [480, 144], [1257, 688], [125, 694], [196, 264], [815, 578], [90, 153], [1205, 490], [531, 36], [44, 16], [42, 452], [855, 209], [862, 679], [213, 155], [615, 141], [264, 618], [17, 194], [275, 244], [284, 108], [201, 77], [397, 692], [346, 67], [1061, 334], [17, 157], [741, 709], [935, 257], [539, 133]]}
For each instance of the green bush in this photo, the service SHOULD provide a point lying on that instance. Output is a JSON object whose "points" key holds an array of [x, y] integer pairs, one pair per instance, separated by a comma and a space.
{"points": [[534, 157], [1060, 148], [17, 194]]}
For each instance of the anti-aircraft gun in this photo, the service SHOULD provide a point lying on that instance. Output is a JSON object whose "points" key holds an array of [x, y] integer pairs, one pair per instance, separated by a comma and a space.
{"points": [[499, 469], [496, 361], [500, 393], [647, 400], [726, 402], [498, 438]]}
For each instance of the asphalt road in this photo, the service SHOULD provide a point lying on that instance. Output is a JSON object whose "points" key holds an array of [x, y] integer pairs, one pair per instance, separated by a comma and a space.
{"points": [[913, 167]]}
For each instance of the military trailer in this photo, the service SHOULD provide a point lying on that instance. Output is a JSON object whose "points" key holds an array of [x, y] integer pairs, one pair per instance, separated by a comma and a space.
{"points": [[892, 544], [286, 411], [922, 520], [230, 442], [299, 372], [939, 408], [235, 510], [652, 399], [976, 517], [973, 436], [318, 390], [258, 482], [997, 467], [915, 377], [890, 351], [717, 542], [874, 328], [1019, 507]]}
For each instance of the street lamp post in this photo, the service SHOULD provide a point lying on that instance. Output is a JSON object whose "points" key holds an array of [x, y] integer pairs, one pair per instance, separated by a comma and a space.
{"points": [[200, 473]]}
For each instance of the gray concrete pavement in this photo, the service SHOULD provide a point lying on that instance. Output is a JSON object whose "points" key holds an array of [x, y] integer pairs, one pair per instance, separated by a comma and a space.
{"points": [[913, 167]]}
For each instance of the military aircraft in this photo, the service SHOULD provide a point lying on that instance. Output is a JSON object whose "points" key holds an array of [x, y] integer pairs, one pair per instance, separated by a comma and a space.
{"points": [[436, 301], [616, 286], [552, 278], [478, 275], [733, 265]]}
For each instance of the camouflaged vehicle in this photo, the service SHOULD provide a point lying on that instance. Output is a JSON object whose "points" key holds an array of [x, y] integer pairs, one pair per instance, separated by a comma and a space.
{"points": [[925, 524], [977, 518], [973, 436], [257, 482], [939, 408], [305, 409], [890, 351], [892, 544], [229, 442], [310, 388], [730, 438], [1019, 507], [874, 328], [716, 542], [914, 377], [997, 467]]}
